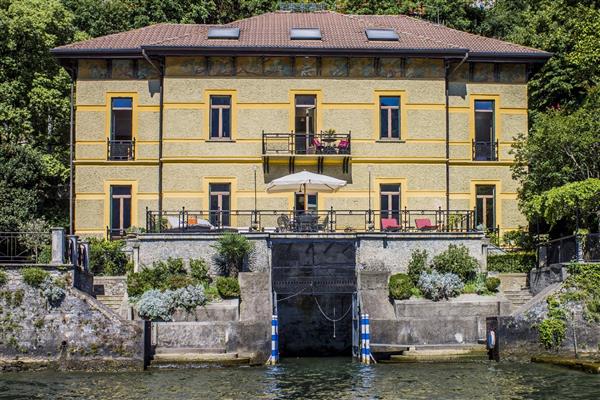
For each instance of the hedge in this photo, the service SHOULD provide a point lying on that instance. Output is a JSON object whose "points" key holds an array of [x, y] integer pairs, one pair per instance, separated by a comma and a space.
{"points": [[512, 262]]}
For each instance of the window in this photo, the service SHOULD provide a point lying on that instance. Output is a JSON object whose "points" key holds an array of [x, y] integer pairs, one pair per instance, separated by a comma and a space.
{"points": [[381, 35], [485, 206], [389, 117], [304, 122], [220, 204], [121, 118], [223, 33], [311, 205], [305, 34], [484, 148], [220, 117], [390, 201], [120, 210]]}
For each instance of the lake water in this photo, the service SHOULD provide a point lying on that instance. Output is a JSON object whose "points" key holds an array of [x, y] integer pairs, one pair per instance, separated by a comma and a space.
{"points": [[314, 378]]}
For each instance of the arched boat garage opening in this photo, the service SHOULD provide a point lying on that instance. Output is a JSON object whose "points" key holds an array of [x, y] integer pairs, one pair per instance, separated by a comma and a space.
{"points": [[314, 282]]}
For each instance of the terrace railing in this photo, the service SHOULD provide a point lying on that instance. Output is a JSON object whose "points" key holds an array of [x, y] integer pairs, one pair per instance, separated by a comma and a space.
{"points": [[290, 143], [581, 248], [22, 247], [120, 150], [325, 221]]}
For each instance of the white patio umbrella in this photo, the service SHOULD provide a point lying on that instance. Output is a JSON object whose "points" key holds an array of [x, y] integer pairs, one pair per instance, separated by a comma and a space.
{"points": [[304, 182]]}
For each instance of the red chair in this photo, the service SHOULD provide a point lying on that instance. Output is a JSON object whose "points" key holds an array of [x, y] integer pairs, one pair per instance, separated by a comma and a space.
{"points": [[344, 147], [389, 224], [318, 145], [424, 224]]}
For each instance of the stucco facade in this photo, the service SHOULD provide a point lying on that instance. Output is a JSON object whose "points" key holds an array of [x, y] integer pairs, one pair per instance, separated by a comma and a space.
{"points": [[191, 160]]}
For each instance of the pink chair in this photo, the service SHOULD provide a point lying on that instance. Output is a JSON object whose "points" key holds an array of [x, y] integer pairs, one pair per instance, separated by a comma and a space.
{"points": [[344, 147], [389, 224], [318, 145], [424, 224]]}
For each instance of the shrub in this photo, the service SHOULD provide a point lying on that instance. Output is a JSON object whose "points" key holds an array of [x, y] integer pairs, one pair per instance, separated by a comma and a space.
{"points": [[552, 332], [107, 257], [34, 276], [3, 278], [512, 262], [178, 281], [156, 305], [212, 293], [199, 270], [492, 284], [417, 264], [400, 287], [189, 297], [456, 260], [519, 239], [228, 286], [45, 256], [470, 288], [175, 266], [53, 293], [232, 248], [436, 286]]}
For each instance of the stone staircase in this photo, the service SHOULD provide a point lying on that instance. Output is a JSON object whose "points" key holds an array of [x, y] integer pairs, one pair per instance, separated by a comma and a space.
{"points": [[518, 297], [112, 302]]}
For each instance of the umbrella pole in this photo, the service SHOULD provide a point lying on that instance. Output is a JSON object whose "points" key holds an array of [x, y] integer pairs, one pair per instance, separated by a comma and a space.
{"points": [[305, 199]]}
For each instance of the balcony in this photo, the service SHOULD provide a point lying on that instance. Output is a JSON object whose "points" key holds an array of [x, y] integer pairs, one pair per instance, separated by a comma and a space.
{"points": [[485, 150], [120, 150], [311, 222], [291, 146]]}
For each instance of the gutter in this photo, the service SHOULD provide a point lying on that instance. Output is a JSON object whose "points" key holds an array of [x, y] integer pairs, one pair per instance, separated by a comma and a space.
{"points": [[160, 70]]}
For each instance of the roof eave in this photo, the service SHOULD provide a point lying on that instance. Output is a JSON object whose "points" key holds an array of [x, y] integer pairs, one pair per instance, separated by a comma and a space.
{"points": [[61, 53], [305, 51], [535, 57]]}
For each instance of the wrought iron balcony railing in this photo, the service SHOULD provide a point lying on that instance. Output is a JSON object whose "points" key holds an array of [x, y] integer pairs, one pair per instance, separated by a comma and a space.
{"points": [[312, 221], [485, 150], [322, 143], [120, 150]]}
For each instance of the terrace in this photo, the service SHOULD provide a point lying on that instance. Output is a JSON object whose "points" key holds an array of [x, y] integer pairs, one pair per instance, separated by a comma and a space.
{"points": [[311, 221]]}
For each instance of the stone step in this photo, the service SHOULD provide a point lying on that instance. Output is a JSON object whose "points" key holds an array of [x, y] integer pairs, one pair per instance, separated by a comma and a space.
{"points": [[179, 360], [441, 353], [189, 350]]}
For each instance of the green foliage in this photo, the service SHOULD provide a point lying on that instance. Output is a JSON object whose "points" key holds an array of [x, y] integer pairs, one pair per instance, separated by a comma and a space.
{"points": [[436, 286], [231, 249], [212, 293], [199, 270], [401, 286], [165, 275], [470, 288], [228, 286], [417, 264], [511, 262], [3, 278], [519, 239], [34, 276], [416, 292], [584, 281], [552, 332], [107, 257], [456, 260], [45, 255], [576, 200], [492, 284]]}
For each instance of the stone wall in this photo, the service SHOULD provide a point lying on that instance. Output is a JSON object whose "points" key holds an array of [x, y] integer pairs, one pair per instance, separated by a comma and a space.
{"points": [[110, 285], [149, 248], [392, 252], [540, 278], [78, 333]]}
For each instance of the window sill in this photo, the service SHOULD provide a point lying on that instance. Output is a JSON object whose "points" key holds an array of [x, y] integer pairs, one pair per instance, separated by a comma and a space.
{"points": [[390, 141], [220, 140]]}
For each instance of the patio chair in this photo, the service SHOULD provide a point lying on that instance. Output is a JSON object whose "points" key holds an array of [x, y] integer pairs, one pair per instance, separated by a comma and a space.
{"points": [[318, 145], [325, 225], [390, 225], [283, 223], [424, 224], [344, 147]]}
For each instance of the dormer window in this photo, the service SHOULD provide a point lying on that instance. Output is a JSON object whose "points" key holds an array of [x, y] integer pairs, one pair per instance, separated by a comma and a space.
{"points": [[305, 34], [380, 35], [223, 33]]}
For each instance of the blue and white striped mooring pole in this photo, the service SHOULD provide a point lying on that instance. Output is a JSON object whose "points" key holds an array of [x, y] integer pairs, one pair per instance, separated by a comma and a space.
{"points": [[365, 352], [274, 341]]}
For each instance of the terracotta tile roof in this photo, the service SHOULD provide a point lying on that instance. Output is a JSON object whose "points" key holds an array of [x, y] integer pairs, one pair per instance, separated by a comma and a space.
{"points": [[270, 33]]}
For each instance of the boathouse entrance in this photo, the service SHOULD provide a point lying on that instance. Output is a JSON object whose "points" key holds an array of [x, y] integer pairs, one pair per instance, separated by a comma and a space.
{"points": [[314, 282]]}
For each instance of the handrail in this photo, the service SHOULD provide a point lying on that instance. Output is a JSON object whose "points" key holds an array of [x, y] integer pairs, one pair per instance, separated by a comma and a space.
{"points": [[485, 150], [294, 143], [120, 150]]}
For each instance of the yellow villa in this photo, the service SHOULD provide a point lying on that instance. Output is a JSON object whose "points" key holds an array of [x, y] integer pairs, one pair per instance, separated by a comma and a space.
{"points": [[183, 126]]}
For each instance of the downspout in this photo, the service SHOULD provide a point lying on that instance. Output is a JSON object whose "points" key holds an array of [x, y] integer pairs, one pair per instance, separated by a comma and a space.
{"points": [[448, 73], [73, 76], [161, 74]]}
